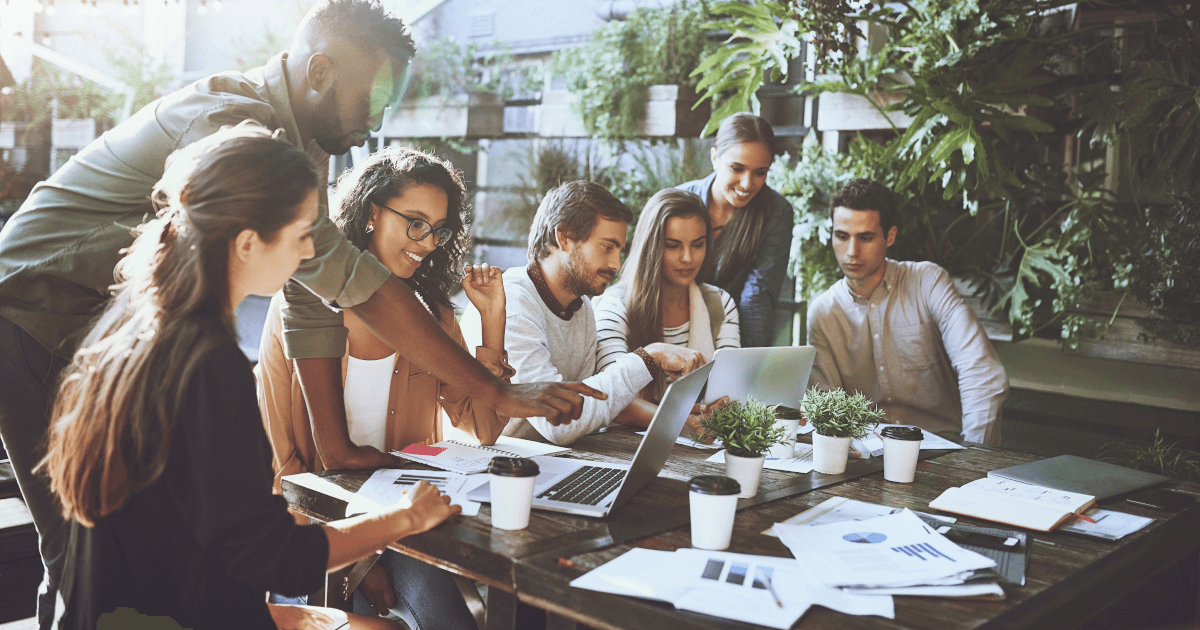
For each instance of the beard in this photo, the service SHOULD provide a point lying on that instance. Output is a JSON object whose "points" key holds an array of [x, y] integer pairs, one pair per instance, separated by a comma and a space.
{"points": [[584, 280], [328, 121]]}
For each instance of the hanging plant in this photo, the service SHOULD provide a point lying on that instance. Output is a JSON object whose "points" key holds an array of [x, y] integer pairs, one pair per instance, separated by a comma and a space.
{"points": [[613, 72]]}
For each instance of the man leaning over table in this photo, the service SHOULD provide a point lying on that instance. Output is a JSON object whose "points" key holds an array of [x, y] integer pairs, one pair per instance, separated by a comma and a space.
{"points": [[575, 247], [328, 92], [899, 332]]}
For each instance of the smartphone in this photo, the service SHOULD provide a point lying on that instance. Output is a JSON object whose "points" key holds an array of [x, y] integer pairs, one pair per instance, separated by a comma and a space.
{"points": [[1161, 499]]}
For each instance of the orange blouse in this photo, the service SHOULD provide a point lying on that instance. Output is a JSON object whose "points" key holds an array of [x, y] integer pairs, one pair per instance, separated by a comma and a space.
{"points": [[414, 401]]}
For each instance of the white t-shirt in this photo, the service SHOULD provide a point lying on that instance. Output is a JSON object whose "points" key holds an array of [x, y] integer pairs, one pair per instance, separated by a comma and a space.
{"points": [[368, 385]]}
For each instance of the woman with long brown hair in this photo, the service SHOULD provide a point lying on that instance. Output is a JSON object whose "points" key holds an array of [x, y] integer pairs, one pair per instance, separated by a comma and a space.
{"points": [[658, 298], [157, 451], [409, 209], [752, 224]]}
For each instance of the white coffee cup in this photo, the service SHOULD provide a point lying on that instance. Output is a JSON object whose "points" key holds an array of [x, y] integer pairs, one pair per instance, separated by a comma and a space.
{"points": [[713, 502], [512, 482], [901, 447]]}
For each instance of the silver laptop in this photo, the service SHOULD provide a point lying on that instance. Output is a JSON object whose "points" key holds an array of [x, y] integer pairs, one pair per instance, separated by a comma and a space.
{"points": [[595, 488], [775, 376]]}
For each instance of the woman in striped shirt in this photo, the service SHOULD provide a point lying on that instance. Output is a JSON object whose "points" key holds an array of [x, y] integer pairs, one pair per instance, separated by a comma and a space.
{"points": [[657, 297]]}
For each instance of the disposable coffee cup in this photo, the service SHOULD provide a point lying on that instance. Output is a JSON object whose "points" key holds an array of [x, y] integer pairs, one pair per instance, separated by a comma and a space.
{"points": [[901, 446], [789, 419], [713, 501], [512, 481], [788, 448]]}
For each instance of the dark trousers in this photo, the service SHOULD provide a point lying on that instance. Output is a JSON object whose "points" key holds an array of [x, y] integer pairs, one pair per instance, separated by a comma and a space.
{"points": [[28, 376]]}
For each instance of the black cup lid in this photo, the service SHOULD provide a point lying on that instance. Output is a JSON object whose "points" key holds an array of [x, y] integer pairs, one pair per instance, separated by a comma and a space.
{"points": [[907, 434], [513, 467], [786, 413], [714, 484]]}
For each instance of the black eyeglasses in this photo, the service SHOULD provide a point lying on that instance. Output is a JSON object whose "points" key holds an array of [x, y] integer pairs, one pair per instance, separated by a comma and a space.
{"points": [[418, 229]]}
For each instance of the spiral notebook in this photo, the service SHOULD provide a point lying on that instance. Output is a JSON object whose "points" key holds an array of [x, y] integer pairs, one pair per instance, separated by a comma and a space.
{"points": [[468, 459]]}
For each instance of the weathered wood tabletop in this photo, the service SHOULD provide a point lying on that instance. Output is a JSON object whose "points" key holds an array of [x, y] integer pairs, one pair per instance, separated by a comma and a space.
{"points": [[1064, 583]]}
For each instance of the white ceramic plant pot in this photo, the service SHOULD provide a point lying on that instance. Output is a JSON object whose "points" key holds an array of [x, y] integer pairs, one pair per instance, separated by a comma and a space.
{"points": [[830, 453], [746, 470]]}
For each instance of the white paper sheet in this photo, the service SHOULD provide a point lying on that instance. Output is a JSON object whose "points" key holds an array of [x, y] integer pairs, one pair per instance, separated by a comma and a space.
{"points": [[692, 442], [872, 444], [839, 509], [894, 550], [387, 487], [726, 585], [1109, 525], [988, 590], [801, 462]]}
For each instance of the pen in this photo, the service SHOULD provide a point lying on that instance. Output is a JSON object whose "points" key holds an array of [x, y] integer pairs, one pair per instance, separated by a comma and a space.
{"points": [[770, 587], [1086, 518]]}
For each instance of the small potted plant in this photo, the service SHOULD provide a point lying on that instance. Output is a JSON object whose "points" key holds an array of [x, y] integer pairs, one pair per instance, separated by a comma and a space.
{"points": [[837, 417], [747, 430]]}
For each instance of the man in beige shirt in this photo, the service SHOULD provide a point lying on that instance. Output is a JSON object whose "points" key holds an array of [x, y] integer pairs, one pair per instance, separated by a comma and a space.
{"points": [[899, 332]]}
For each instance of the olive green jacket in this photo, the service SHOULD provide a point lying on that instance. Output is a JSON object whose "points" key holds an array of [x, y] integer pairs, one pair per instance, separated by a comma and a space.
{"points": [[58, 252]]}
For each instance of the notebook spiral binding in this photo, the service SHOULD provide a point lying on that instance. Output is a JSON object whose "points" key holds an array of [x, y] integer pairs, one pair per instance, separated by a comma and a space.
{"points": [[484, 448]]}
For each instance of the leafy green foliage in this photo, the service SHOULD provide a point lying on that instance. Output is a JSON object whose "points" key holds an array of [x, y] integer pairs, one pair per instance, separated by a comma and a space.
{"points": [[746, 429], [809, 187], [658, 165], [762, 37], [444, 68], [835, 413], [992, 88], [1157, 456], [612, 74]]}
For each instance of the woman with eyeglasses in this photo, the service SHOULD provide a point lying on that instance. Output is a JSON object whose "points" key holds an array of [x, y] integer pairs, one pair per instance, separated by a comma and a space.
{"points": [[409, 209]]}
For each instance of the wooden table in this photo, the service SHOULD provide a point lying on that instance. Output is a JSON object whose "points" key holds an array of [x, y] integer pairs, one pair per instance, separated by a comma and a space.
{"points": [[1066, 581]]}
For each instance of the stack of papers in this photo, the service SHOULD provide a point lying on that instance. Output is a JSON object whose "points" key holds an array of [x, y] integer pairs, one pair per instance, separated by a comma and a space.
{"points": [[800, 462], [728, 585], [872, 444], [1109, 525], [897, 554], [389, 486]]}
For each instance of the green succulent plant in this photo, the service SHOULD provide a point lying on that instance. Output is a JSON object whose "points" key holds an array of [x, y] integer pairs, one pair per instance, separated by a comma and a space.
{"points": [[835, 413], [747, 429]]}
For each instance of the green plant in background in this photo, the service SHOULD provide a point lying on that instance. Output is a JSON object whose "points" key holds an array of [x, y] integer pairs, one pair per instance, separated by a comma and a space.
{"points": [[762, 37], [1157, 456], [835, 413], [992, 90], [747, 429], [547, 164], [612, 73], [444, 68], [658, 165]]}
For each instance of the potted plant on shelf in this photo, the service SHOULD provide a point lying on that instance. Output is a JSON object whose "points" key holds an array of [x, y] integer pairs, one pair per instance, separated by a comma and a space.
{"points": [[837, 417], [748, 430]]}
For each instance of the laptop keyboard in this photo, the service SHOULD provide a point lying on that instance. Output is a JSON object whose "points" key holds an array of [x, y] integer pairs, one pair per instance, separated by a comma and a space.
{"points": [[586, 486]]}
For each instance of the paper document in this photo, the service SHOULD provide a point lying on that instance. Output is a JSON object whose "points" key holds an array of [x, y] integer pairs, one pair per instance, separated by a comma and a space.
{"points": [[727, 585], [887, 551], [1013, 503], [1109, 525], [872, 444], [839, 509], [693, 442], [464, 458], [800, 462], [387, 487]]}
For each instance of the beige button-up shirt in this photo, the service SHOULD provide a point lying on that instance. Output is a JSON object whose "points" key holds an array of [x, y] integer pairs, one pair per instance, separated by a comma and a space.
{"points": [[57, 253], [914, 348]]}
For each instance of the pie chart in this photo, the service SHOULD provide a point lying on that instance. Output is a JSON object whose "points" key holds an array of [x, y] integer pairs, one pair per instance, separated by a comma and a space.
{"points": [[865, 537]]}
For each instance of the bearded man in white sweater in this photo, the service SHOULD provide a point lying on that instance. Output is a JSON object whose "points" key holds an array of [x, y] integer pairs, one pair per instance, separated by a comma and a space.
{"points": [[575, 249]]}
